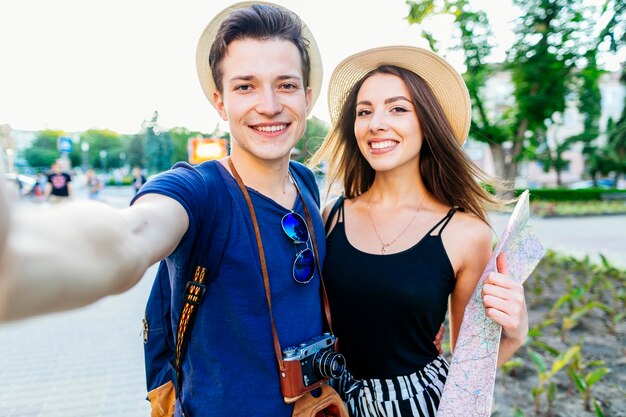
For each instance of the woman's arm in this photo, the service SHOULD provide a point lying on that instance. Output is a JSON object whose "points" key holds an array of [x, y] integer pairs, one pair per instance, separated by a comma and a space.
{"points": [[469, 240], [503, 298]]}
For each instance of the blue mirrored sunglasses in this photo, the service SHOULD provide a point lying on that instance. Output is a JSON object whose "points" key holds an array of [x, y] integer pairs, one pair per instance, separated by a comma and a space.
{"points": [[296, 229]]}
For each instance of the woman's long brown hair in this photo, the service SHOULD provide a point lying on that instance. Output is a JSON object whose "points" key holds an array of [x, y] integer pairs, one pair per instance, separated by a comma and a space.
{"points": [[445, 169]]}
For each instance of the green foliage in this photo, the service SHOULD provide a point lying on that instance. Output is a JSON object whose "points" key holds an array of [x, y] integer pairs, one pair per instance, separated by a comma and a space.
{"points": [[158, 146], [180, 137], [552, 62], [564, 194], [572, 320], [316, 131], [581, 292], [125, 181], [43, 152], [616, 146], [545, 373], [543, 58], [105, 148], [509, 367], [40, 157], [585, 376], [135, 151], [598, 409]]}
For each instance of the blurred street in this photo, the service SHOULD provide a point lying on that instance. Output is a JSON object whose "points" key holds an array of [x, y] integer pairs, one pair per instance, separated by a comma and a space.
{"points": [[89, 362], [579, 236]]}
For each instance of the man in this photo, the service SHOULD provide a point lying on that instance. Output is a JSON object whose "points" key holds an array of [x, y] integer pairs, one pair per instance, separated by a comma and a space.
{"points": [[93, 184], [138, 179], [260, 68], [58, 187]]}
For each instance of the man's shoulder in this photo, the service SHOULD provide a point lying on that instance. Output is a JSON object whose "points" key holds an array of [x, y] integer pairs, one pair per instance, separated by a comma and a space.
{"points": [[302, 172], [300, 167]]}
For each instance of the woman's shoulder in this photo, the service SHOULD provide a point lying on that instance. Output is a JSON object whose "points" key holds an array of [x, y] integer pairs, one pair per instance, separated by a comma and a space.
{"points": [[472, 228], [332, 207]]}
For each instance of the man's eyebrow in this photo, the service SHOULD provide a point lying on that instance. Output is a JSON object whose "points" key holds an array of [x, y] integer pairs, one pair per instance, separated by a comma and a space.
{"points": [[289, 77], [241, 78], [252, 77], [387, 101]]}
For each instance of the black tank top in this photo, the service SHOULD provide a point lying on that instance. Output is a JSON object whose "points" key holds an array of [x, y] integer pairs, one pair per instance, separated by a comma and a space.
{"points": [[387, 309]]}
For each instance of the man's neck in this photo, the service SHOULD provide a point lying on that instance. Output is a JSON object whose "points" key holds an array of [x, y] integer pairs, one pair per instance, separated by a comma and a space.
{"points": [[270, 178]]}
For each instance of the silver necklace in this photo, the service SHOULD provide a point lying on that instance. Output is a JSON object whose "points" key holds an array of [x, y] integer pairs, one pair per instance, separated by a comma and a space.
{"points": [[384, 245]]}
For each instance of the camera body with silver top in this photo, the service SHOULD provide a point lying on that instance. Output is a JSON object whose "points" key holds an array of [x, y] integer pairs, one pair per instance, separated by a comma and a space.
{"points": [[309, 365]]}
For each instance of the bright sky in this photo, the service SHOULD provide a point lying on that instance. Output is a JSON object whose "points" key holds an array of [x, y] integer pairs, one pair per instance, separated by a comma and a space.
{"points": [[76, 64]]}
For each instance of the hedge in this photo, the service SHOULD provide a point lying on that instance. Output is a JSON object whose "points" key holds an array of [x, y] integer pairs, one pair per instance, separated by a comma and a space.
{"points": [[565, 194]]}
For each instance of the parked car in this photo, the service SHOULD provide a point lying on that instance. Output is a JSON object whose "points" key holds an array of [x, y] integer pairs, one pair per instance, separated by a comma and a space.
{"points": [[22, 184]]}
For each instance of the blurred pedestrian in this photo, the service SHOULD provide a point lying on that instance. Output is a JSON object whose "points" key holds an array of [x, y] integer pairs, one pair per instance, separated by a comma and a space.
{"points": [[58, 187], [93, 184], [138, 179]]}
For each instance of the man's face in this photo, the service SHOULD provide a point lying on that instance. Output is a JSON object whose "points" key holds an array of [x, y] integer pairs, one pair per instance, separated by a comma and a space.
{"points": [[264, 99]]}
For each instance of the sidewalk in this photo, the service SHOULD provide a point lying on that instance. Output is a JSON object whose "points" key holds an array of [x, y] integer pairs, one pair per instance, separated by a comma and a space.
{"points": [[83, 363]]}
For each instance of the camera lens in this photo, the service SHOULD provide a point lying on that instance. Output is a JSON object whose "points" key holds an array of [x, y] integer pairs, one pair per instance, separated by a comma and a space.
{"points": [[329, 364]]}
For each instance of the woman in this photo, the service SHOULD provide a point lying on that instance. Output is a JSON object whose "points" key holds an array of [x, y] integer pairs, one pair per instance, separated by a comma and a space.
{"points": [[412, 231]]}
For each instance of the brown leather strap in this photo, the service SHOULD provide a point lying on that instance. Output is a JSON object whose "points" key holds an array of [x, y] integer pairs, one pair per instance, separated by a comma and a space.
{"points": [[266, 279]]}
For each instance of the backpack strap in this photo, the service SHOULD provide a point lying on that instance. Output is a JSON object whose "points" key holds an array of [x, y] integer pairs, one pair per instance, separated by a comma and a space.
{"points": [[205, 260]]}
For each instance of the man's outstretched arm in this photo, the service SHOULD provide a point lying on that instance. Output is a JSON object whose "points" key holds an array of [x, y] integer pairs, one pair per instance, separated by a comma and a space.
{"points": [[73, 254]]}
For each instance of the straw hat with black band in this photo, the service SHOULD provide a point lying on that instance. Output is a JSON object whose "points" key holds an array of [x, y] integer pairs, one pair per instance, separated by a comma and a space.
{"points": [[444, 81], [208, 37]]}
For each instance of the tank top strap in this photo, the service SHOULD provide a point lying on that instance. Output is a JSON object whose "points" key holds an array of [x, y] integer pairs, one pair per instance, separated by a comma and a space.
{"points": [[441, 224], [337, 207]]}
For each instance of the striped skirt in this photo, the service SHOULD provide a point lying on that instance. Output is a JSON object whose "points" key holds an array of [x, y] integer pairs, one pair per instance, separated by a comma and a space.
{"points": [[415, 395]]}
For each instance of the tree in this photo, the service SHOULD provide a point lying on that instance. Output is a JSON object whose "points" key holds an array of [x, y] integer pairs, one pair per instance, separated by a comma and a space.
{"points": [[616, 146], [475, 38], [553, 33], [44, 149], [135, 151], [541, 64], [105, 148], [158, 146], [614, 34]]}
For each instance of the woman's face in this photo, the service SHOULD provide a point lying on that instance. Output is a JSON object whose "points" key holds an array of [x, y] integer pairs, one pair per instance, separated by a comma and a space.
{"points": [[386, 126]]}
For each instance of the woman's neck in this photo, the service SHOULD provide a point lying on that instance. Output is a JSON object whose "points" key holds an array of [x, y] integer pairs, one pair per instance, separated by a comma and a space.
{"points": [[391, 188]]}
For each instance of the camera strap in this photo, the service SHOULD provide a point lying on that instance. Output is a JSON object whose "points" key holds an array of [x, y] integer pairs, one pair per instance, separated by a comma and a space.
{"points": [[266, 280]]}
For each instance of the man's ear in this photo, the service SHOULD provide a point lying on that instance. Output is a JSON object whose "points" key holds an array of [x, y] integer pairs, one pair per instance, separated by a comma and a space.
{"points": [[218, 102], [308, 98]]}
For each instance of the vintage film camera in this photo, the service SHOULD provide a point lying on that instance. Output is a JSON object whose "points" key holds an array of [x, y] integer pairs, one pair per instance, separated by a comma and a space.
{"points": [[310, 365]]}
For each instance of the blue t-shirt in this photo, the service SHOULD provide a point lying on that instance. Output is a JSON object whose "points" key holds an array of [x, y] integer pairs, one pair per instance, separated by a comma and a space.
{"points": [[230, 366]]}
